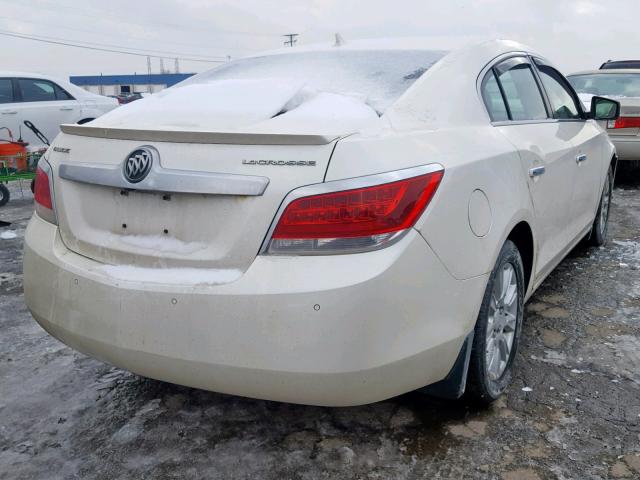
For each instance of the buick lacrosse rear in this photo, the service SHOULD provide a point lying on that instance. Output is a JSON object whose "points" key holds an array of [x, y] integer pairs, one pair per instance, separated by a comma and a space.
{"points": [[326, 225]]}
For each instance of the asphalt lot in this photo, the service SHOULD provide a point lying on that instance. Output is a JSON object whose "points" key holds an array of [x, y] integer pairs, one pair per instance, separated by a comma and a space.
{"points": [[63, 415]]}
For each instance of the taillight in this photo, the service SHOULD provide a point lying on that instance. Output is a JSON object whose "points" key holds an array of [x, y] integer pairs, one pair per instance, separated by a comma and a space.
{"points": [[43, 194], [357, 219], [624, 122]]}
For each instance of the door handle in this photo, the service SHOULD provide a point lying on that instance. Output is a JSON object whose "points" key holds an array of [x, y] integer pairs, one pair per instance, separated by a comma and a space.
{"points": [[66, 109], [581, 158], [9, 112], [536, 171]]}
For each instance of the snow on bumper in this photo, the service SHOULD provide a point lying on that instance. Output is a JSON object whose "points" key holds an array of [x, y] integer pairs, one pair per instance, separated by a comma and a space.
{"points": [[336, 330]]}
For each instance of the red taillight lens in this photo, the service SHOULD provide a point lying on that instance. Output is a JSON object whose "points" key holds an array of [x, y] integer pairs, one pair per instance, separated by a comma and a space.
{"points": [[42, 192], [359, 218], [625, 122]]}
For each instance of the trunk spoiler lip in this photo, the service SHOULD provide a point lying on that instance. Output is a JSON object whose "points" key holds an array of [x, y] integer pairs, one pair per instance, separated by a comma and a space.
{"points": [[180, 136]]}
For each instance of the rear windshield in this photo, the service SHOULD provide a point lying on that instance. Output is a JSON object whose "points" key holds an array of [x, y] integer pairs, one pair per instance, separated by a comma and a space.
{"points": [[620, 64], [379, 77], [612, 84]]}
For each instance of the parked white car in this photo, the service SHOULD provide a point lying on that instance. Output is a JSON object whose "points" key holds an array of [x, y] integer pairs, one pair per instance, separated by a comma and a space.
{"points": [[322, 225], [46, 102]]}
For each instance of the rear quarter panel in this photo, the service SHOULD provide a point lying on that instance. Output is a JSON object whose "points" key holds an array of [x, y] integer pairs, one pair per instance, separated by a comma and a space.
{"points": [[474, 158]]}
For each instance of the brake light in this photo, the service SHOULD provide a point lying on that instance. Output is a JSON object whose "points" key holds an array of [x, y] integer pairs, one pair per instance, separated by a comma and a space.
{"points": [[42, 192], [357, 219], [624, 122]]}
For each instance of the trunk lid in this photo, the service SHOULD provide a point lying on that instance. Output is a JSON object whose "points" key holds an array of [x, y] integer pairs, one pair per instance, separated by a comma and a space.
{"points": [[171, 224]]}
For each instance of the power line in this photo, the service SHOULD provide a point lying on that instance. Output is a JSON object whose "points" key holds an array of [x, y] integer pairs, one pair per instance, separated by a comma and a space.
{"points": [[100, 49], [93, 32], [92, 12], [145, 51]]}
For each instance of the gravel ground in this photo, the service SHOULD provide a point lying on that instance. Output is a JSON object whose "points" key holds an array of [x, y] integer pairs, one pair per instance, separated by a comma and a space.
{"points": [[573, 411]]}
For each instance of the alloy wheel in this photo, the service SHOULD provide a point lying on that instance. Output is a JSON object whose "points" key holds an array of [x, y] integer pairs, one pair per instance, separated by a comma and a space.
{"points": [[502, 322]]}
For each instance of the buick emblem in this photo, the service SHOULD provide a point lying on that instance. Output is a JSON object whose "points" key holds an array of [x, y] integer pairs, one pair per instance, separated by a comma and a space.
{"points": [[138, 164]]}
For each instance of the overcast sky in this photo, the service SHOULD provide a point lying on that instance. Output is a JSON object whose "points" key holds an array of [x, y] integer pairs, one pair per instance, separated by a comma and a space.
{"points": [[575, 34]]}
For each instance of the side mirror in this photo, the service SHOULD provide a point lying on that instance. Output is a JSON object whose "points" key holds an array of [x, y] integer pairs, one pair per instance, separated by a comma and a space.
{"points": [[604, 109]]}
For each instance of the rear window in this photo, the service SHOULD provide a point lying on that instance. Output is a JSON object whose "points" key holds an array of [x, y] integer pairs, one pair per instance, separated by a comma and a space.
{"points": [[611, 84], [380, 77], [620, 64]]}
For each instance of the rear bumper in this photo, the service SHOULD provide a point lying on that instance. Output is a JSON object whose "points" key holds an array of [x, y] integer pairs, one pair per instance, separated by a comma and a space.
{"points": [[627, 148], [340, 330]]}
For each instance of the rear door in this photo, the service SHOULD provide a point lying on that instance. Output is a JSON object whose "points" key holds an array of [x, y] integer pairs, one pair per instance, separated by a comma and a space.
{"points": [[8, 109], [587, 137], [518, 109], [47, 106]]}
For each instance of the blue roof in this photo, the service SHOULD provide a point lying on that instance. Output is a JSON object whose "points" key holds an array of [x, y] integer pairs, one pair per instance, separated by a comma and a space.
{"points": [[168, 79]]}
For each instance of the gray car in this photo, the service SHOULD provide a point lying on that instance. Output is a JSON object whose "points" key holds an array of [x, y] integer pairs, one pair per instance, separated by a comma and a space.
{"points": [[624, 86]]}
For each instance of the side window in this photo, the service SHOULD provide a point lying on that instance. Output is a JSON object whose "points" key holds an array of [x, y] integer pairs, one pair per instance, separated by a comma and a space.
{"points": [[34, 90], [62, 94], [493, 98], [6, 90], [560, 96], [521, 91]]}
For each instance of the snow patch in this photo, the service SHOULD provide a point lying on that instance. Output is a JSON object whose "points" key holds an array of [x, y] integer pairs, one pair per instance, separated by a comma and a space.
{"points": [[171, 276], [159, 243], [311, 111], [222, 105], [9, 235]]}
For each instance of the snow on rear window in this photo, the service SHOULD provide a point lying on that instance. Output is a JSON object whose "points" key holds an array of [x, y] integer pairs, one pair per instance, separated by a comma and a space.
{"points": [[378, 77]]}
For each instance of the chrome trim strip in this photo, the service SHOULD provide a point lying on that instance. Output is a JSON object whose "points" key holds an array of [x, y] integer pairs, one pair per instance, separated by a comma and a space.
{"points": [[391, 239], [231, 138], [347, 184], [166, 180]]}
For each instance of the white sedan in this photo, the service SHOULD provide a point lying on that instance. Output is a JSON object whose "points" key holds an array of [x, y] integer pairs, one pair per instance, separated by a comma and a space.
{"points": [[322, 225], [47, 103]]}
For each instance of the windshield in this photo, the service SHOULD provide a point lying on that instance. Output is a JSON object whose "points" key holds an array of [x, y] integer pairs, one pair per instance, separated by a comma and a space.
{"points": [[611, 84], [378, 77]]}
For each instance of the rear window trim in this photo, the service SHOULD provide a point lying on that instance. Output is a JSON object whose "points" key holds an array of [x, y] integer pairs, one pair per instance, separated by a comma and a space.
{"points": [[493, 67]]}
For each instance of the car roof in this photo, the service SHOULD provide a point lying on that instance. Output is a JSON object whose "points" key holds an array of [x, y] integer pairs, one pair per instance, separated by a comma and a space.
{"points": [[608, 71], [26, 75], [399, 43]]}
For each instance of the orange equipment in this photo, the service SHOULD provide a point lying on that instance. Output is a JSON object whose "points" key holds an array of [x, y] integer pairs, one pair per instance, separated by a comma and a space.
{"points": [[13, 154]]}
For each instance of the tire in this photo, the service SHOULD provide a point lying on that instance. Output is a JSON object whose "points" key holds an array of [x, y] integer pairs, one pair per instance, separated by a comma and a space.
{"points": [[499, 324], [4, 195], [600, 227]]}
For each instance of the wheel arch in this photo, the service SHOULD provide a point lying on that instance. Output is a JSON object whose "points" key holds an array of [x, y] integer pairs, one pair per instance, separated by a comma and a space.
{"points": [[614, 164], [522, 236]]}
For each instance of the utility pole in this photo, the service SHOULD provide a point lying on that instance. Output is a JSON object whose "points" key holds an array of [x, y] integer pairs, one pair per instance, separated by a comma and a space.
{"points": [[177, 65], [162, 65], [292, 39], [148, 74]]}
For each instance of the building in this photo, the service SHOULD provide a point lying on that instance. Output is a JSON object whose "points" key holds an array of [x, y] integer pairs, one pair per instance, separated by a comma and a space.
{"points": [[123, 84]]}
